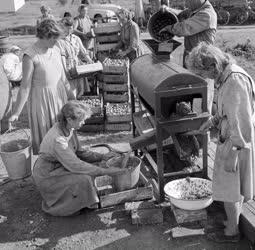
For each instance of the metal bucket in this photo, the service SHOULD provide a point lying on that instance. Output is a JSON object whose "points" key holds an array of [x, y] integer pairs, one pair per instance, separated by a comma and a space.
{"points": [[16, 155], [158, 21], [130, 178]]}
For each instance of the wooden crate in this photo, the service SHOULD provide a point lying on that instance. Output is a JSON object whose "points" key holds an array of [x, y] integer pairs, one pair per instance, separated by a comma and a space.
{"points": [[108, 38], [92, 128], [108, 97], [107, 28], [106, 46], [115, 78], [118, 118], [95, 120], [117, 127], [95, 110], [115, 87], [108, 197]]}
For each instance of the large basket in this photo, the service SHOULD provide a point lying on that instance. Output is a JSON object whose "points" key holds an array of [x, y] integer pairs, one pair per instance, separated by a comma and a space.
{"points": [[16, 154]]}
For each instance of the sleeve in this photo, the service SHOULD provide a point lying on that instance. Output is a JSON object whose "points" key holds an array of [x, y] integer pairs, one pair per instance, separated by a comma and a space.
{"points": [[238, 110], [8, 67], [193, 25], [69, 159], [134, 37]]}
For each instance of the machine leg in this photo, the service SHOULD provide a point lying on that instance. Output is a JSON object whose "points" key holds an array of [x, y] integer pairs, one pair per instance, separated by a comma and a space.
{"points": [[160, 163], [205, 155]]}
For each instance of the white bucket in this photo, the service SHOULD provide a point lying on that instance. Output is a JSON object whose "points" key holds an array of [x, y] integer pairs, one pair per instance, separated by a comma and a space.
{"points": [[16, 155]]}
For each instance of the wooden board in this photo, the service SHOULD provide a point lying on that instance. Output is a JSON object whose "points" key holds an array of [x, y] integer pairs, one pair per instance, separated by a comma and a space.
{"points": [[117, 127], [95, 120], [105, 46], [179, 232], [138, 205], [136, 194], [115, 87], [116, 97], [108, 38], [118, 118], [92, 128], [107, 28], [89, 68], [187, 216], [115, 78]]}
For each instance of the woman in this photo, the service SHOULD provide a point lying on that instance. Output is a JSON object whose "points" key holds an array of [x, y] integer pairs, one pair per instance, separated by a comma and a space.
{"points": [[234, 166], [73, 52], [83, 27], [63, 173], [129, 37], [44, 85], [46, 14]]}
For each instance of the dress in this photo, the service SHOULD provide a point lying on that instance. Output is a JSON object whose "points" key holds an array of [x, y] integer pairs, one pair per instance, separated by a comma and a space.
{"points": [[129, 36], [72, 49], [48, 93], [61, 177], [235, 119]]}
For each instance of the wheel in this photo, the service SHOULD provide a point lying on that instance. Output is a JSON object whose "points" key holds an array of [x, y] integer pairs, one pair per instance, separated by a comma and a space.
{"points": [[98, 18], [241, 17], [223, 17]]}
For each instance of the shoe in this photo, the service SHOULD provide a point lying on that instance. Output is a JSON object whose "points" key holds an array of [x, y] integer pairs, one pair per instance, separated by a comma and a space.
{"points": [[222, 238]]}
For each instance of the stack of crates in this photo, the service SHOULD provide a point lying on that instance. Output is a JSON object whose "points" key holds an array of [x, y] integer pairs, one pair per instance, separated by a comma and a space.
{"points": [[115, 91], [107, 37]]}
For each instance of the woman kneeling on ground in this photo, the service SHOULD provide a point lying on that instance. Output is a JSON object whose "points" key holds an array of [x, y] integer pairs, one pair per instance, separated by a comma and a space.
{"points": [[234, 166], [63, 173]]}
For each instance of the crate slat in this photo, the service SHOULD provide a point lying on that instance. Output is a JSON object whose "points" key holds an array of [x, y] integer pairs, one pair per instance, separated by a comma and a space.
{"points": [[118, 118], [115, 78], [95, 120], [116, 98], [107, 28], [118, 127], [108, 38], [115, 87], [92, 128], [105, 46]]}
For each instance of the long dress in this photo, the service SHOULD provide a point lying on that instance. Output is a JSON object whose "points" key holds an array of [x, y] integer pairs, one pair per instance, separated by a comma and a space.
{"points": [[61, 177], [48, 93], [235, 119], [72, 50]]}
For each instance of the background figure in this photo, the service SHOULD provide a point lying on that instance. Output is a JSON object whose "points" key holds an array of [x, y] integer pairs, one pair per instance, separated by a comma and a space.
{"points": [[234, 165], [129, 37], [64, 173], [73, 53], [44, 85], [12, 65], [45, 10], [83, 28], [198, 23]]}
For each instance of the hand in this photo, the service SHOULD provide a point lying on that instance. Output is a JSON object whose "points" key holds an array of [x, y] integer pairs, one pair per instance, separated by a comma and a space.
{"points": [[205, 126], [13, 118], [110, 155]]}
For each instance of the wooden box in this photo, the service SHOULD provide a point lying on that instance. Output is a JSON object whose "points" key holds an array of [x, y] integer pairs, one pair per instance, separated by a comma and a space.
{"points": [[115, 87], [108, 197], [118, 118], [108, 38], [106, 46], [117, 127], [109, 97], [92, 128], [107, 28], [115, 66], [95, 120], [96, 110], [115, 78]]}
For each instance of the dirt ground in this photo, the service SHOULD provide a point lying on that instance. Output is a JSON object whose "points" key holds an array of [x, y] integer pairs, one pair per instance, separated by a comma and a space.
{"points": [[23, 225]]}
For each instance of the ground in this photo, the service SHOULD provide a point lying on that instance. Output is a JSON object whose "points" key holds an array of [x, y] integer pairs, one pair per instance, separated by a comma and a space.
{"points": [[23, 225]]}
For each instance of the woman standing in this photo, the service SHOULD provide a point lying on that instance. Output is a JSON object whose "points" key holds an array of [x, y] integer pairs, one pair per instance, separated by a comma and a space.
{"points": [[234, 166], [44, 85], [63, 173], [129, 36], [73, 52]]}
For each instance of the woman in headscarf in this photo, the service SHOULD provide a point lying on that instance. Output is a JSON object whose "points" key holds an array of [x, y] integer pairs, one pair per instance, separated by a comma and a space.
{"points": [[129, 36], [234, 166], [73, 53], [44, 85], [64, 173]]}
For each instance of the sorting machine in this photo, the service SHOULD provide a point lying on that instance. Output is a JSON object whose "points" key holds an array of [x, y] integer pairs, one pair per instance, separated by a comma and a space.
{"points": [[160, 85]]}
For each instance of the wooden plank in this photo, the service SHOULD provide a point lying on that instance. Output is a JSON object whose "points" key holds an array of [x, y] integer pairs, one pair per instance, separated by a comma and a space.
{"points": [[116, 98], [118, 118], [115, 78], [186, 216], [108, 38], [179, 232], [118, 127], [138, 194], [115, 87], [136, 205], [247, 223], [92, 128], [143, 140]]}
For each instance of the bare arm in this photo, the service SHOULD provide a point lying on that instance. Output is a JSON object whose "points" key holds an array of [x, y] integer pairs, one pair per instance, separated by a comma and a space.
{"points": [[83, 52], [75, 30], [28, 70]]}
